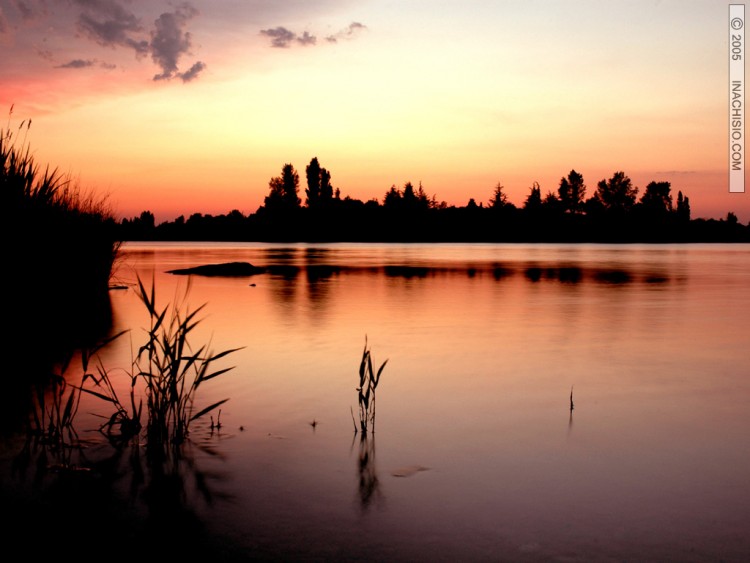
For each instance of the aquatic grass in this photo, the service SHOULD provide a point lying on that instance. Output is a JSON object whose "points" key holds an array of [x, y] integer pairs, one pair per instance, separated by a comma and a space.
{"points": [[55, 401], [54, 406], [25, 184], [368, 382], [65, 245], [171, 372], [124, 423]]}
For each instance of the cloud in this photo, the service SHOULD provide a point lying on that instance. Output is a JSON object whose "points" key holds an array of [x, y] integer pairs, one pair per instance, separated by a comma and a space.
{"points": [[169, 41], [348, 32], [307, 39], [281, 37], [192, 73], [45, 54], [77, 63], [81, 63], [109, 24]]}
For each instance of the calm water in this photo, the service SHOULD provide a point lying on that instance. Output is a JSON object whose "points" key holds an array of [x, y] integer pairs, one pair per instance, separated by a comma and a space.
{"points": [[477, 455]]}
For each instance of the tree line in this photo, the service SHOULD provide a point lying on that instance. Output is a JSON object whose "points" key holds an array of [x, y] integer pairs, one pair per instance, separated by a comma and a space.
{"points": [[613, 212]]}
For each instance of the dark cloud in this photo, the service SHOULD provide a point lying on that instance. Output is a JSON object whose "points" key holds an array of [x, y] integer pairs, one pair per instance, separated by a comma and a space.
{"points": [[81, 63], [77, 63], [281, 37], [348, 32], [169, 41], [192, 73], [109, 24]]}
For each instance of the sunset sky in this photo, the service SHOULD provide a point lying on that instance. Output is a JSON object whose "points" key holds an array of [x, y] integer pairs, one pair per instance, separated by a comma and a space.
{"points": [[185, 107]]}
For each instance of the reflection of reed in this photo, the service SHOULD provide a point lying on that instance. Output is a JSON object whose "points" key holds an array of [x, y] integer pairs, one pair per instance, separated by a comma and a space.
{"points": [[111, 494], [570, 419], [369, 485]]}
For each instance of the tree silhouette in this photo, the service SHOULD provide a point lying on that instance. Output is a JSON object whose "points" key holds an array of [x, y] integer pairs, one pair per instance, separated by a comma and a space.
{"points": [[319, 191], [312, 172], [408, 197], [657, 199], [552, 203], [617, 194], [571, 192], [499, 198], [414, 200], [533, 202], [283, 190], [683, 207], [326, 189], [610, 215], [392, 198]]}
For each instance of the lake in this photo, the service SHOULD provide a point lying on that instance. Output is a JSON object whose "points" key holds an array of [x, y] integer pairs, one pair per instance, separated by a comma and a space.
{"points": [[477, 454]]}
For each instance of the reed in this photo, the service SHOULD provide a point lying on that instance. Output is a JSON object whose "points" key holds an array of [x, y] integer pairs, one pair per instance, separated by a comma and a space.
{"points": [[64, 247], [170, 370], [368, 382], [54, 406]]}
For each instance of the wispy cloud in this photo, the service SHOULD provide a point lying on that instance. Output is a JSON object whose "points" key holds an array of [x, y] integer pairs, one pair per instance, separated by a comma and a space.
{"points": [[280, 36], [86, 63], [77, 63], [283, 38], [349, 32], [27, 10], [45, 54]]}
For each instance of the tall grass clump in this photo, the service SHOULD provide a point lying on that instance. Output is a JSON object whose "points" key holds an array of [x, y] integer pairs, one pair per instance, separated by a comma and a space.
{"points": [[368, 382], [170, 371], [62, 244], [56, 402]]}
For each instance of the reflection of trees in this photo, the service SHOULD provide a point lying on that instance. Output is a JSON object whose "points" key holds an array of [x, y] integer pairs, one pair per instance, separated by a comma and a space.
{"points": [[286, 266], [319, 271], [284, 270]]}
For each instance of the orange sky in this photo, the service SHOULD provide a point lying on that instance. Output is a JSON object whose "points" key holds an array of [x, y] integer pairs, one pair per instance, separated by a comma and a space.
{"points": [[193, 107]]}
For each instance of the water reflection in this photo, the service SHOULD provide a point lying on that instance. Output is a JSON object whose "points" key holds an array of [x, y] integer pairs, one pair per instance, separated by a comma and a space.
{"points": [[108, 496], [367, 476], [319, 270], [487, 341]]}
